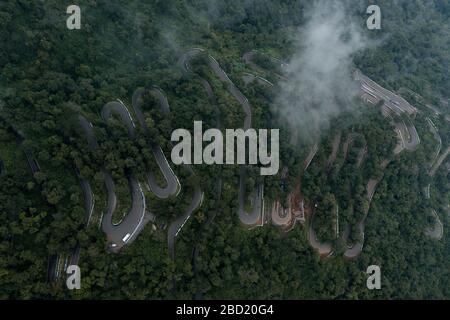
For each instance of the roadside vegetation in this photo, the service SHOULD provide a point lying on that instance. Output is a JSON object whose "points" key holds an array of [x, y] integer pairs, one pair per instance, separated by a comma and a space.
{"points": [[49, 75]]}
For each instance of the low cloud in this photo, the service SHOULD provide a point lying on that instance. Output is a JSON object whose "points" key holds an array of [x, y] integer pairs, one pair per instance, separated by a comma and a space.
{"points": [[320, 84]]}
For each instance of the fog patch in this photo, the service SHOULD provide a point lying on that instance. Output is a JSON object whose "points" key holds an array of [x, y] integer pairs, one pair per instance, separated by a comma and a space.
{"points": [[320, 84]]}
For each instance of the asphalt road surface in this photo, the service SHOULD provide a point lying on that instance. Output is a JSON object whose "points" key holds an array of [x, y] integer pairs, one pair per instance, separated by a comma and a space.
{"points": [[311, 156], [437, 136], [252, 218], [439, 162], [248, 59], [437, 232], [409, 140], [281, 216], [176, 225], [248, 218], [215, 66], [197, 199], [250, 78], [125, 232], [377, 92], [334, 151], [172, 186], [88, 199], [119, 108], [324, 249], [408, 134], [355, 250]]}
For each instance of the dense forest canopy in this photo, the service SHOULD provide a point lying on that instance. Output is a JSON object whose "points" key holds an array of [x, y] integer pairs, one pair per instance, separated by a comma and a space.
{"points": [[50, 75]]}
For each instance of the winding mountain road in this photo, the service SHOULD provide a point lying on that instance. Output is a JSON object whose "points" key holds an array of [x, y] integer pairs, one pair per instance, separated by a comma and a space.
{"points": [[355, 250], [408, 134], [254, 217], [248, 59], [439, 162], [176, 225], [88, 199], [311, 155], [172, 187], [124, 232], [250, 78], [281, 217], [437, 136], [437, 231], [334, 151], [323, 248], [394, 102]]}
